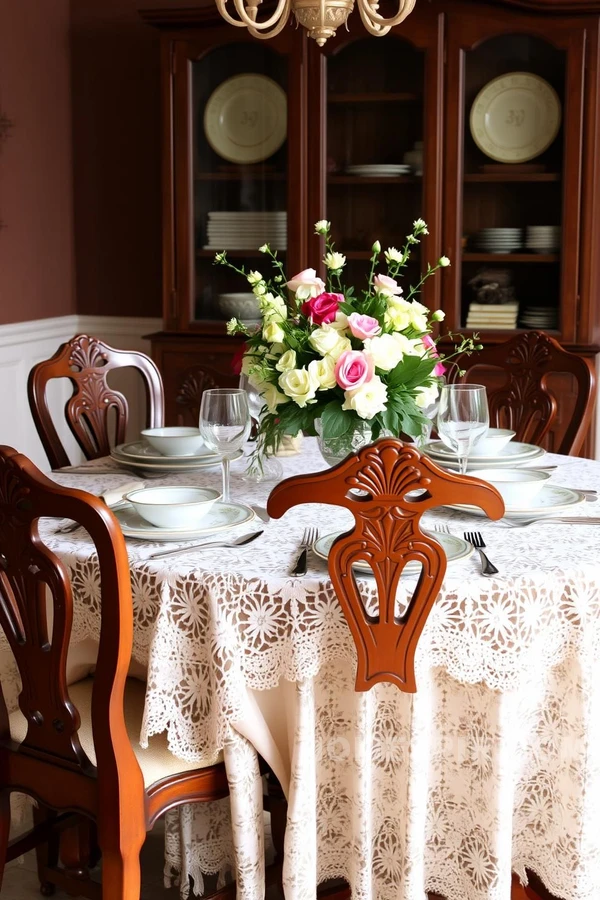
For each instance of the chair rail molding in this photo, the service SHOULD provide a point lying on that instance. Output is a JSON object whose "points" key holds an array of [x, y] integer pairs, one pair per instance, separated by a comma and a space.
{"points": [[22, 344]]}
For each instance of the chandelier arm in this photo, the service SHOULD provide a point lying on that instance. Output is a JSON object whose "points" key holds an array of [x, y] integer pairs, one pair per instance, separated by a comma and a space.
{"points": [[246, 20], [368, 13], [263, 36], [377, 30], [222, 7]]}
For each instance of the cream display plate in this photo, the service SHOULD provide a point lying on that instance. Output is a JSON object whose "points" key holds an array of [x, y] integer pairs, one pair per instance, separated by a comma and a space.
{"points": [[245, 119], [141, 451], [550, 501], [454, 548], [514, 454], [515, 117], [220, 517]]}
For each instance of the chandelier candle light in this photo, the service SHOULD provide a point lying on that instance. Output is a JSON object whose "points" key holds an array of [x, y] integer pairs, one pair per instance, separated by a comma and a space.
{"points": [[321, 18], [337, 363]]}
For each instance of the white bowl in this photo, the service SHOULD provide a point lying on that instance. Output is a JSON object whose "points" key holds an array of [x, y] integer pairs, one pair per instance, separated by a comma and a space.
{"points": [[493, 442], [175, 440], [173, 507], [240, 306], [518, 487]]}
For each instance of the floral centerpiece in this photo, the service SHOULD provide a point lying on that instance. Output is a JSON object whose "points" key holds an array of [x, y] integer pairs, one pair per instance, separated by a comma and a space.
{"points": [[339, 361]]}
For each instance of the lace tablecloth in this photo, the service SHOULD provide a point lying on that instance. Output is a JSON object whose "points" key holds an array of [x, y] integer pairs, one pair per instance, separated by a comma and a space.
{"points": [[493, 766]]}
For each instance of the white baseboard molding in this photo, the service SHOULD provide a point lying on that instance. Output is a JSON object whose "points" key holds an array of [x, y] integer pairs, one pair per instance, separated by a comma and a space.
{"points": [[23, 344]]}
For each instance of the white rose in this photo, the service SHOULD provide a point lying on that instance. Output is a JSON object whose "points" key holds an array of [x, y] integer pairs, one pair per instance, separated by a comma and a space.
{"points": [[340, 323], [443, 261], [273, 308], [298, 384], [323, 371], [392, 255], [438, 316], [327, 340], [408, 347], [306, 284], [398, 314], [385, 352], [259, 289], [367, 400], [426, 396], [286, 361], [335, 260], [322, 226], [272, 396], [418, 320], [254, 277], [420, 226], [273, 333]]}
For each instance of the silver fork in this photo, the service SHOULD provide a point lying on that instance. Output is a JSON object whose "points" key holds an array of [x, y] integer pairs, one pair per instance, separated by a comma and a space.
{"points": [[308, 538], [476, 539]]}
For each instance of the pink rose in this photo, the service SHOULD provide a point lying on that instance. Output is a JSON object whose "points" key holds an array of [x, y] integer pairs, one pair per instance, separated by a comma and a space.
{"points": [[430, 345], [363, 327], [387, 286], [322, 309], [353, 369], [306, 284]]}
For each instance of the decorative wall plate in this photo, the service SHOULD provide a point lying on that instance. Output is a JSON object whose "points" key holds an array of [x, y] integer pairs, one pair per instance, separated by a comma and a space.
{"points": [[515, 117], [245, 119]]}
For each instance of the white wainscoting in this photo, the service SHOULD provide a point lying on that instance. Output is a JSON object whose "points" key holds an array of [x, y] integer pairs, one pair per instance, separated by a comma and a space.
{"points": [[26, 343]]}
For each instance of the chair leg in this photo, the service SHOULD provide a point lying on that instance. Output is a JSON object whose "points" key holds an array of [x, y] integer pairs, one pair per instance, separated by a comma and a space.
{"points": [[47, 852], [4, 830], [121, 875]]}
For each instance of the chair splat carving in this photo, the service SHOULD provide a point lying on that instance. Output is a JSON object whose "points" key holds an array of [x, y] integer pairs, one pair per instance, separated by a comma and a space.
{"points": [[387, 487]]}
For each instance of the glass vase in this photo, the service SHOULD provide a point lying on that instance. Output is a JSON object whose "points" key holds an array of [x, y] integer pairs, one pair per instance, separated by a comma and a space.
{"points": [[334, 450]]}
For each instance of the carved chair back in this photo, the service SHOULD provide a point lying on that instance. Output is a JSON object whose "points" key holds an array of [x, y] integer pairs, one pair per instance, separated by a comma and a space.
{"points": [[197, 379], [387, 487], [86, 362], [50, 763], [523, 400]]}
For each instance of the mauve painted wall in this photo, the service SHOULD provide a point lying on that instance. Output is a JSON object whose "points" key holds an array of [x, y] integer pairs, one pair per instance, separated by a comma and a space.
{"points": [[36, 242]]}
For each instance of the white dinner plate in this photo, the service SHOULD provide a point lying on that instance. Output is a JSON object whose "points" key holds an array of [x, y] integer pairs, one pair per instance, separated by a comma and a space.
{"points": [[141, 451], [515, 117], [550, 501], [169, 468], [454, 548], [515, 453], [220, 517], [245, 119]]}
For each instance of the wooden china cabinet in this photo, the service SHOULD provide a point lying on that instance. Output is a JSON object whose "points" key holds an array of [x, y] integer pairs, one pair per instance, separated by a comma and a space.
{"points": [[365, 101]]}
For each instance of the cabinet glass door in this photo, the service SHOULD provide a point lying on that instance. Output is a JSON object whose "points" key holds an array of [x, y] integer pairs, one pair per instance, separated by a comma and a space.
{"points": [[382, 105], [514, 222]]}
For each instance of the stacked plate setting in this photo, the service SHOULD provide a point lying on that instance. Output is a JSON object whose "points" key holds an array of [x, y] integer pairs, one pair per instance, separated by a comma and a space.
{"points": [[540, 317], [246, 230], [543, 238], [499, 240], [490, 315], [379, 170], [139, 456]]}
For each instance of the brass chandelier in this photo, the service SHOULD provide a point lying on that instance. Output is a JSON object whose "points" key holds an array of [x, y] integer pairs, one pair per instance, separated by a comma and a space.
{"points": [[321, 18]]}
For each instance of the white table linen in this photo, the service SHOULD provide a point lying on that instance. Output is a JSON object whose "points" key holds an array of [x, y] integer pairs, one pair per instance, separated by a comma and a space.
{"points": [[493, 765]]}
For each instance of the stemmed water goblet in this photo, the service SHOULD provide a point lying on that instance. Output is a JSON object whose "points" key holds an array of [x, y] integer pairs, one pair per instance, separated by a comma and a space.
{"points": [[225, 425], [267, 468], [463, 417]]}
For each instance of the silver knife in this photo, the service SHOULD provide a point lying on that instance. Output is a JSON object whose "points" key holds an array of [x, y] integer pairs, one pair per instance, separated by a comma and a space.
{"points": [[237, 542]]}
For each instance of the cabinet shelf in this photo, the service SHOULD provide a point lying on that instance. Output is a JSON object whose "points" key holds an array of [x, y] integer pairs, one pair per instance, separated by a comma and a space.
{"points": [[512, 257], [502, 178], [379, 97], [240, 176], [249, 254], [377, 179]]}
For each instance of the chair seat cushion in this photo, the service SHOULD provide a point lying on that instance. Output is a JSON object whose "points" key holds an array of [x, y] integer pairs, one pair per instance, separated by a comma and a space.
{"points": [[156, 762]]}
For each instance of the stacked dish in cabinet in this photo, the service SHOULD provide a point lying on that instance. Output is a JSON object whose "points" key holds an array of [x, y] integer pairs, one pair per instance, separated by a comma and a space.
{"points": [[246, 230], [484, 315]]}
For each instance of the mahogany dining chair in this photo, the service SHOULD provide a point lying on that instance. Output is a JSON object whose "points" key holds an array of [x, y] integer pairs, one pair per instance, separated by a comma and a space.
{"points": [[75, 750], [86, 362], [387, 486], [197, 379], [518, 374]]}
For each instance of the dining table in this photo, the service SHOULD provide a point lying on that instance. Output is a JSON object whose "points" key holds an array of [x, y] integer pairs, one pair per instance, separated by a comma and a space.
{"points": [[491, 767]]}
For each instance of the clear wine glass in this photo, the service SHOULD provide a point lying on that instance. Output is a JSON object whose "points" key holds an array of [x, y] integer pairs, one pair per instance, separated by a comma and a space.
{"points": [[268, 468], [463, 417], [225, 425]]}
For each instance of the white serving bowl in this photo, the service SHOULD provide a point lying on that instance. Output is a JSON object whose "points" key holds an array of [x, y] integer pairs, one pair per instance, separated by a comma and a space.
{"points": [[518, 487], [173, 507], [175, 440], [240, 306], [493, 442]]}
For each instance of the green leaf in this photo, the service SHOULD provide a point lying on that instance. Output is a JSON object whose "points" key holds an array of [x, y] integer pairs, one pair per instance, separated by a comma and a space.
{"points": [[390, 420], [335, 420]]}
